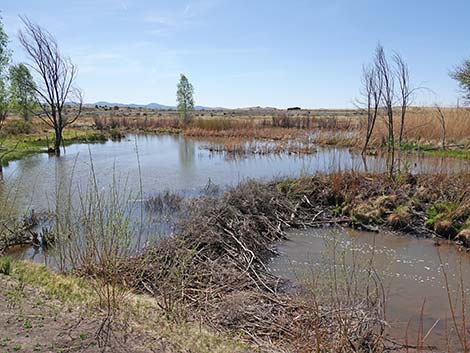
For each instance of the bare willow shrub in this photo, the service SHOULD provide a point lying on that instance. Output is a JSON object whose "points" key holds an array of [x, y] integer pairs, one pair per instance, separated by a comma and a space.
{"points": [[97, 229]]}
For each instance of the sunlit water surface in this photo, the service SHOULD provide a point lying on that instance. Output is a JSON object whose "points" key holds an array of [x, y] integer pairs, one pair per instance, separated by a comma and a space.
{"points": [[409, 268]]}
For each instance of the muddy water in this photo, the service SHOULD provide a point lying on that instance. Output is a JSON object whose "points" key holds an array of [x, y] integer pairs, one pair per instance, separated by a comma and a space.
{"points": [[409, 267]]}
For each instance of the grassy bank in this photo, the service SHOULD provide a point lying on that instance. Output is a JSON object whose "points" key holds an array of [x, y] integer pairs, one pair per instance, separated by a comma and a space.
{"points": [[17, 146], [45, 312], [459, 152]]}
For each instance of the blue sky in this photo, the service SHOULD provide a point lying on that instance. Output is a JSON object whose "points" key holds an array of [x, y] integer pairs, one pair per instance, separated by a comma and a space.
{"points": [[306, 53]]}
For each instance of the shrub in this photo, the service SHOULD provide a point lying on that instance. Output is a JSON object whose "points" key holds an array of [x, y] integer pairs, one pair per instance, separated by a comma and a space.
{"points": [[5, 265], [17, 127]]}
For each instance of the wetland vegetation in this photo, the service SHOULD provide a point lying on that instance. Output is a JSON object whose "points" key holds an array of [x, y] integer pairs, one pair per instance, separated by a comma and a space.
{"points": [[163, 236]]}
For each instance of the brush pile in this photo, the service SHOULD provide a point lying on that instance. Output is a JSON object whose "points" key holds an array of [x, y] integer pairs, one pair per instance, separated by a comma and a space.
{"points": [[216, 269]]}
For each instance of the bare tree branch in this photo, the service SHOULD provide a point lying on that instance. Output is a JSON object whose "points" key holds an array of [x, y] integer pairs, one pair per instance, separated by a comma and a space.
{"points": [[56, 76], [442, 120]]}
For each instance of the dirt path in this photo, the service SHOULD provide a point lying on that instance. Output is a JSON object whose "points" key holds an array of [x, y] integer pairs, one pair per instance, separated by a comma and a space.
{"points": [[30, 321]]}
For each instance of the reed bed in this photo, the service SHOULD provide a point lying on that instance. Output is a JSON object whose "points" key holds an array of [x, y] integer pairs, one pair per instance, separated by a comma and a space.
{"points": [[242, 149], [277, 127], [423, 126]]}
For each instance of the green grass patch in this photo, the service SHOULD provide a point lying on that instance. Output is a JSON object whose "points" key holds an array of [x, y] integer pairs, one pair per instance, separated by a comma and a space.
{"points": [[460, 154], [5, 265], [440, 211], [18, 146], [67, 289], [431, 150]]}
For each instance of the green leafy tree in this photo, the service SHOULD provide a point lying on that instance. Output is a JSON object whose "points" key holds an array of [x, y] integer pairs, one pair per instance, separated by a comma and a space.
{"points": [[22, 90], [462, 75], [184, 98], [4, 61]]}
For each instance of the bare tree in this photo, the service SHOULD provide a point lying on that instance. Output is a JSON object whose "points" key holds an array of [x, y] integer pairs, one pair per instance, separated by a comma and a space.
{"points": [[56, 75], [442, 120], [372, 87], [405, 91], [388, 97]]}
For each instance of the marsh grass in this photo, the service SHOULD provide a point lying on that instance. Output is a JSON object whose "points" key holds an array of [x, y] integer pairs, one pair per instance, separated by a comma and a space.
{"points": [[19, 145]]}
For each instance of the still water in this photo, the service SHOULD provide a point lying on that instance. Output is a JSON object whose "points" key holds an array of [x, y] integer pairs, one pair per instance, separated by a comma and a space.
{"points": [[409, 268], [175, 163]]}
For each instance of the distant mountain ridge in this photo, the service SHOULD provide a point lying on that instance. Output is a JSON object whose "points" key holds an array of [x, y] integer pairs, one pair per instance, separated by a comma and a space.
{"points": [[148, 106]]}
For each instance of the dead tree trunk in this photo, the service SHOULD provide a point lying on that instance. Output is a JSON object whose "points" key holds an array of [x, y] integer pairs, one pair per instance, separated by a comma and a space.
{"points": [[372, 93], [387, 78], [442, 120], [405, 91]]}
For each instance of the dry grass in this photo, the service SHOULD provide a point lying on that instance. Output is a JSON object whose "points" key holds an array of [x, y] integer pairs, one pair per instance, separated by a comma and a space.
{"points": [[422, 125]]}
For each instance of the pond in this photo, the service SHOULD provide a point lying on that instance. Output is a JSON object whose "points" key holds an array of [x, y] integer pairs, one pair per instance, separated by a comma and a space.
{"points": [[177, 163]]}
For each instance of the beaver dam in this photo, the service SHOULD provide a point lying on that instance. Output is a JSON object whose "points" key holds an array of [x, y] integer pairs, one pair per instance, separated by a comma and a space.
{"points": [[215, 264]]}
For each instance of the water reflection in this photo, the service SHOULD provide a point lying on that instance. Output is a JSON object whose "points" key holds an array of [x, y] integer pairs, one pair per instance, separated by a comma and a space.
{"points": [[187, 153], [177, 163]]}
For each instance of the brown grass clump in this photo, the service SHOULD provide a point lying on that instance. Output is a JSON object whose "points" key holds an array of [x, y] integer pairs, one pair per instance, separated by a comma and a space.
{"points": [[137, 123]]}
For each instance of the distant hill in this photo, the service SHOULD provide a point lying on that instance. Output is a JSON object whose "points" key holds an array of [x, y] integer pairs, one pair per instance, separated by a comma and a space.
{"points": [[148, 106]]}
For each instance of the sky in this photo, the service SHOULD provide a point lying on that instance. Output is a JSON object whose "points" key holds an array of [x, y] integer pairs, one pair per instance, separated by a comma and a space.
{"points": [[243, 53]]}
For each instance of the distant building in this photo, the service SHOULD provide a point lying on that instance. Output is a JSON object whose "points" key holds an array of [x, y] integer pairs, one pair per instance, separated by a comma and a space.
{"points": [[294, 108]]}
